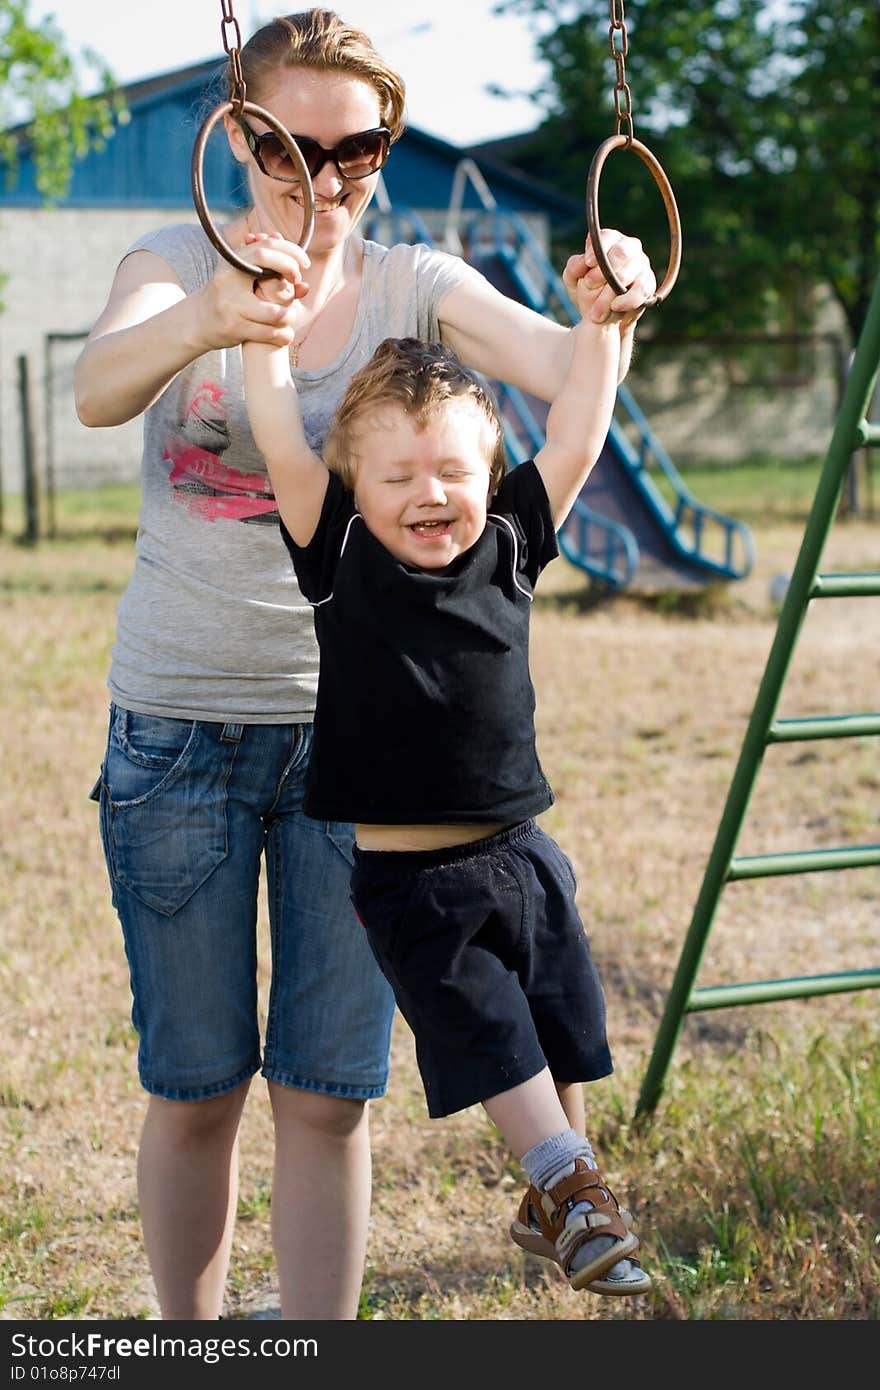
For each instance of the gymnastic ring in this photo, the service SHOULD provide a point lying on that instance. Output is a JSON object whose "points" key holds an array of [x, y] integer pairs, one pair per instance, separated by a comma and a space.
{"points": [[198, 185], [617, 142]]}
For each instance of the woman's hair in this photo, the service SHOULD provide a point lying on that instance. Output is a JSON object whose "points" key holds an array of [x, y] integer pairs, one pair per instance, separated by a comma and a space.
{"points": [[320, 40], [421, 378]]}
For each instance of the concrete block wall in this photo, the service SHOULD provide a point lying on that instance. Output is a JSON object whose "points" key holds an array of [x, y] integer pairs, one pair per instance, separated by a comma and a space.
{"points": [[701, 417], [59, 265]]}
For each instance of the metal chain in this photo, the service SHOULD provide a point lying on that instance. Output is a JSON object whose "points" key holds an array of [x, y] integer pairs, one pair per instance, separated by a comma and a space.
{"points": [[238, 106], [233, 52], [625, 140], [618, 42]]}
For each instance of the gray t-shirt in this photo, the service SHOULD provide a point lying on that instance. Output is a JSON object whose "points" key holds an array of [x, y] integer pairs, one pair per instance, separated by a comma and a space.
{"points": [[212, 624]]}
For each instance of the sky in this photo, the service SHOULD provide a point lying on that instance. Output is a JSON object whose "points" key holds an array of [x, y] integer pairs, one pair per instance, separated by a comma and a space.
{"points": [[446, 50]]}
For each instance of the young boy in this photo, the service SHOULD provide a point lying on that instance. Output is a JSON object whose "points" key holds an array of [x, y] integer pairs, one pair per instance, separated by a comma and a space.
{"points": [[420, 558]]}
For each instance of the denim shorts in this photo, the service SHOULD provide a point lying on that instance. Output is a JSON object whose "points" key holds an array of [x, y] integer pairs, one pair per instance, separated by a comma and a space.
{"points": [[489, 962], [188, 809]]}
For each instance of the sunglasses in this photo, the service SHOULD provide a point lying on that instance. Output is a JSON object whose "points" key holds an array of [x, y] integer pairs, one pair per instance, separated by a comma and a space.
{"points": [[356, 157]]}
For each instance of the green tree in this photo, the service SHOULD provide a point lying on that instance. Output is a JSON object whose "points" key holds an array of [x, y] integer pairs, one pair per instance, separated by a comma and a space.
{"points": [[765, 118], [830, 121], [41, 89]]}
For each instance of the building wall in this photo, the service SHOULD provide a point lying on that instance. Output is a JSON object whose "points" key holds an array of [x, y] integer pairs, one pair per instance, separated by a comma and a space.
{"points": [[59, 265], [711, 407]]}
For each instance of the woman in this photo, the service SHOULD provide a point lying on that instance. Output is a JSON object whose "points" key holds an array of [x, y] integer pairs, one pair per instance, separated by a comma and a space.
{"points": [[213, 675]]}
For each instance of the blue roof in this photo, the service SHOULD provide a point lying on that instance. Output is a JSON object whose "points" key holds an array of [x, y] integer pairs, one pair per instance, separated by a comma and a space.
{"points": [[147, 162]]}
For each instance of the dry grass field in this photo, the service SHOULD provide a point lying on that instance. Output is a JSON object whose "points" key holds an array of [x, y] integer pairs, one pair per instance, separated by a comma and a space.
{"points": [[755, 1185]]}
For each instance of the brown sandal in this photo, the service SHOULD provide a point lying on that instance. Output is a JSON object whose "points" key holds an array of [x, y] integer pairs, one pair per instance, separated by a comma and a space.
{"points": [[540, 1228]]}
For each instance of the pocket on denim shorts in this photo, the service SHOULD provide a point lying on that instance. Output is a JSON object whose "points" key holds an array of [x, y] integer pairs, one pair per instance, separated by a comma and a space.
{"points": [[341, 834], [164, 808]]}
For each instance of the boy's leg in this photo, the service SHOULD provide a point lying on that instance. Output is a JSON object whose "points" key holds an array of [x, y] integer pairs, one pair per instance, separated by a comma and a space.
{"points": [[529, 1113], [461, 912], [571, 1098], [591, 1239], [568, 1009]]}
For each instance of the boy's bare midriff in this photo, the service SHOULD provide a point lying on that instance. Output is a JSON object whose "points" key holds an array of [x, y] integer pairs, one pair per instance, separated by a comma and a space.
{"points": [[417, 837]]}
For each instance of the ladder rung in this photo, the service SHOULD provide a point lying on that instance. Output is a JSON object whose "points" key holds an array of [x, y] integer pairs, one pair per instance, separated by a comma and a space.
{"points": [[802, 862], [827, 726], [868, 433], [845, 585], [765, 991]]}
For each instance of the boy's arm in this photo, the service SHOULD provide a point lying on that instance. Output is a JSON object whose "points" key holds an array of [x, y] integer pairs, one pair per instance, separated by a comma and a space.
{"points": [[298, 475], [580, 415]]}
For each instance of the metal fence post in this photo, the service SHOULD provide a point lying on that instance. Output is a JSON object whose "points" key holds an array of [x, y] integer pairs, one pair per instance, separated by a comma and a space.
{"points": [[32, 520]]}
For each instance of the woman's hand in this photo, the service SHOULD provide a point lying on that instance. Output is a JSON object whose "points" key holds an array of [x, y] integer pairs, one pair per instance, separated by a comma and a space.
{"points": [[632, 268], [234, 308]]}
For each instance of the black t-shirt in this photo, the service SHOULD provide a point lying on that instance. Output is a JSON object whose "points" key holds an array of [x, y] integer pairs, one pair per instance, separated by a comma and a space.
{"points": [[425, 708]]}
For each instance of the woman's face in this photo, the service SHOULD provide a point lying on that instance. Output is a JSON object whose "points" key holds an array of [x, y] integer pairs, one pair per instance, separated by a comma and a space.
{"points": [[327, 106]]}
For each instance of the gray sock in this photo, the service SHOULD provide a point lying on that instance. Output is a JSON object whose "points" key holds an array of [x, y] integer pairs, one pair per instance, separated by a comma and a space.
{"points": [[553, 1158], [547, 1164]]}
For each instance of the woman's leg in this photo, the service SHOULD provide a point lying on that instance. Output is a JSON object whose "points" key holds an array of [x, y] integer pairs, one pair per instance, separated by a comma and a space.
{"points": [[320, 1202], [326, 1055], [188, 1190], [182, 824]]}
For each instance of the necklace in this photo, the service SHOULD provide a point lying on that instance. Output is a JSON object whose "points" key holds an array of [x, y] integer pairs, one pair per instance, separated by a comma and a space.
{"points": [[299, 342]]}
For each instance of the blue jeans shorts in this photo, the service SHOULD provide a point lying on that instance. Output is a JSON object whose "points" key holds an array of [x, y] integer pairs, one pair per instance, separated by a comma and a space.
{"points": [[188, 809], [489, 961]]}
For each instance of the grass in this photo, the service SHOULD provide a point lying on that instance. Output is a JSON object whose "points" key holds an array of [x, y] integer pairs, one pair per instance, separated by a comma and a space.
{"points": [[107, 513], [755, 1185], [762, 490], [757, 490]]}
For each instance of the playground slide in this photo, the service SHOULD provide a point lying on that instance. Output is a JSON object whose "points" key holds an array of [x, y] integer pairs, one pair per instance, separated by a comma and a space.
{"points": [[651, 562], [621, 530]]}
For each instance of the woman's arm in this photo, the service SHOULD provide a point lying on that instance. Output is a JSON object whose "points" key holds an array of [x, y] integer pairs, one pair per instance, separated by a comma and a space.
{"points": [[151, 328], [146, 333], [503, 339], [509, 342]]}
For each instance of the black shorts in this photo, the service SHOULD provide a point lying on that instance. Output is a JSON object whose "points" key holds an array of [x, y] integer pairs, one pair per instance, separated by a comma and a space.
{"points": [[489, 962]]}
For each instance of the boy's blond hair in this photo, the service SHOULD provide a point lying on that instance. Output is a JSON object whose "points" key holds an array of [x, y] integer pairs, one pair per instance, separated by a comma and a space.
{"points": [[422, 378], [320, 40]]}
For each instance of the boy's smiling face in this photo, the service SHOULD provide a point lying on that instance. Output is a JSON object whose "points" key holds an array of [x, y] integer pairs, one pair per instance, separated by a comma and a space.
{"points": [[423, 491]]}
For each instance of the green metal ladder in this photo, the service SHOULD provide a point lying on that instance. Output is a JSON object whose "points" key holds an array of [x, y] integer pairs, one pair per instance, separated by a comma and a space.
{"points": [[852, 430]]}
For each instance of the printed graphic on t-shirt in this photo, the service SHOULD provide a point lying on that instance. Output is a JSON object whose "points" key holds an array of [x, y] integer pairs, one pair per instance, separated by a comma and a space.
{"points": [[203, 484]]}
